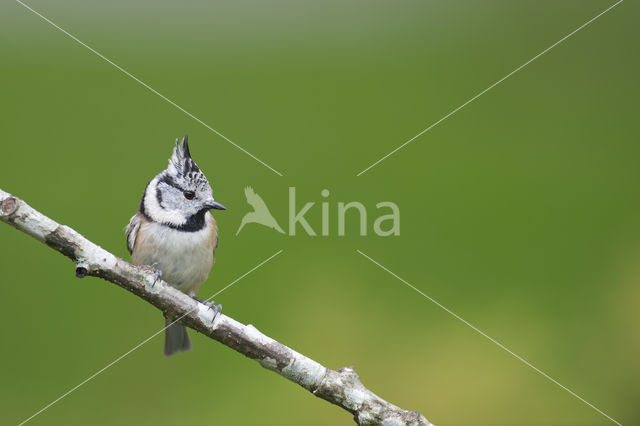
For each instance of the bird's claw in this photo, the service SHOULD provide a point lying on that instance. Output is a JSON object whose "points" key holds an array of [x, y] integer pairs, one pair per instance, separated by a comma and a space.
{"points": [[217, 309], [157, 273]]}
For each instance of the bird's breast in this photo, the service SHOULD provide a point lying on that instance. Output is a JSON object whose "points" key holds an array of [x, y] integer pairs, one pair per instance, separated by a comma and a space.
{"points": [[185, 258]]}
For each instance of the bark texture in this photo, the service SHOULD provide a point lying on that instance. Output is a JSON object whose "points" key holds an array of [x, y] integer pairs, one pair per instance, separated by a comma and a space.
{"points": [[342, 387]]}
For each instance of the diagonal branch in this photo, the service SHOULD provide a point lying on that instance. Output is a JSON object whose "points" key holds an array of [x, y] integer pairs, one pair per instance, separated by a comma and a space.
{"points": [[342, 388]]}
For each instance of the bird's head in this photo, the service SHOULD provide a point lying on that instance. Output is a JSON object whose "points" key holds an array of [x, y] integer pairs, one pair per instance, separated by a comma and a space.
{"points": [[181, 193]]}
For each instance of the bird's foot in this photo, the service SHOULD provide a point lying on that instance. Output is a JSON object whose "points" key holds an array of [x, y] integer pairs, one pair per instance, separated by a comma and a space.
{"points": [[156, 272], [217, 309]]}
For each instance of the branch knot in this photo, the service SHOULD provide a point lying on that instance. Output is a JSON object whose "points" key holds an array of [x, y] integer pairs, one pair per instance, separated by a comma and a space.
{"points": [[9, 206]]}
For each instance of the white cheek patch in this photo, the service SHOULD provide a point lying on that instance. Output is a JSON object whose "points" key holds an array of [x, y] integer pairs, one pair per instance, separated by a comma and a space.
{"points": [[156, 212]]}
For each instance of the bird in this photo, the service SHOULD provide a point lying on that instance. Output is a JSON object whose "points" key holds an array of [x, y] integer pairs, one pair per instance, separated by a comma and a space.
{"points": [[174, 232], [260, 213]]}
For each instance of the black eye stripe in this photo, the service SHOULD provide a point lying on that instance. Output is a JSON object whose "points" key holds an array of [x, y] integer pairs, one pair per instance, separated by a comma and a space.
{"points": [[166, 179], [200, 182]]}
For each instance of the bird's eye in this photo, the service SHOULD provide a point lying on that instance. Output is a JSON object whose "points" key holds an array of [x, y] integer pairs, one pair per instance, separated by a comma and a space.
{"points": [[189, 195]]}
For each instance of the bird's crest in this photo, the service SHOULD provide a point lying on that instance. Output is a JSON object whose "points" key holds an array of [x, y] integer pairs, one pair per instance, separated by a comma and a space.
{"points": [[181, 164]]}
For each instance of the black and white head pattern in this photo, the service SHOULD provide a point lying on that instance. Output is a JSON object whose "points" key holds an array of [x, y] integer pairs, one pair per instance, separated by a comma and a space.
{"points": [[180, 196]]}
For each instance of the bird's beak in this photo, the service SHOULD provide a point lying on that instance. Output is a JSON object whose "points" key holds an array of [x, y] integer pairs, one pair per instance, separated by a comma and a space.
{"points": [[215, 205]]}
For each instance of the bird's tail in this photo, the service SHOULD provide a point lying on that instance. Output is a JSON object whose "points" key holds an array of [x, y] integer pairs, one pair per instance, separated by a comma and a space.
{"points": [[176, 338]]}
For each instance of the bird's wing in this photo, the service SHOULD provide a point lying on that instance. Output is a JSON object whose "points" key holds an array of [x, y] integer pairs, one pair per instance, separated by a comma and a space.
{"points": [[255, 200], [132, 231], [214, 234]]}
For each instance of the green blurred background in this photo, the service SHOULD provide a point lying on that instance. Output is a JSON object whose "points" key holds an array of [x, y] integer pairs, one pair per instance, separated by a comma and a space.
{"points": [[520, 212]]}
